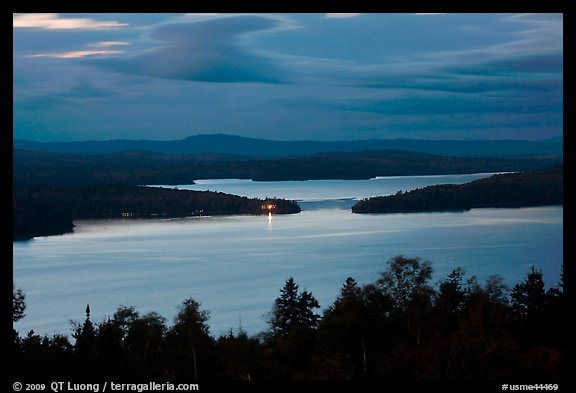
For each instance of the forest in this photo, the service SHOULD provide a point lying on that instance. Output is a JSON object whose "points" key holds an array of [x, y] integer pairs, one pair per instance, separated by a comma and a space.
{"points": [[45, 210], [50, 190], [509, 190], [138, 168], [401, 327]]}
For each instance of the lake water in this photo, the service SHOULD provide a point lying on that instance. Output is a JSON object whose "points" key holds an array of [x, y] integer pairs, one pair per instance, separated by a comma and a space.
{"points": [[236, 265]]}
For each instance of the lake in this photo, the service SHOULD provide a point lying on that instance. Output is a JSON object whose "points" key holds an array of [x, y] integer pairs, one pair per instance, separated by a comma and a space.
{"points": [[236, 265]]}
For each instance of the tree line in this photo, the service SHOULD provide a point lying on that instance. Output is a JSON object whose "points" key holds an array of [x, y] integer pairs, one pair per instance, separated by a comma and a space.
{"points": [[399, 327], [138, 168], [49, 210], [50, 190], [511, 190]]}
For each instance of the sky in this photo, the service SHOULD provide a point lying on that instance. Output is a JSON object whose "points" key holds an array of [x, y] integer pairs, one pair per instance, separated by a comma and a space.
{"points": [[287, 76]]}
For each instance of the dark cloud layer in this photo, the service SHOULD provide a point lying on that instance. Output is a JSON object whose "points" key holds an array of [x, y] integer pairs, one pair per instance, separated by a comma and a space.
{"points": [[210, 50], [298, 76]]}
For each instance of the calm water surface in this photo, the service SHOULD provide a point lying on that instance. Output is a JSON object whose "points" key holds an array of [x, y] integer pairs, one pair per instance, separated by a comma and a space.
{"points": [[236, 265]]}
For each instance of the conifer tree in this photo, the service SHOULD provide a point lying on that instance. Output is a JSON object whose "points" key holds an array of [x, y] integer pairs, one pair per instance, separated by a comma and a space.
{"points": [[18, 304], [293, 310], [529, 296], [85, 347]]}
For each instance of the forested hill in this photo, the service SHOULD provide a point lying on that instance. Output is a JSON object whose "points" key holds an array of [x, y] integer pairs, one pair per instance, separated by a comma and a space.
{"points": [[35, 167], [237, 145], [53, 189], [524, 189], [44, 210]]}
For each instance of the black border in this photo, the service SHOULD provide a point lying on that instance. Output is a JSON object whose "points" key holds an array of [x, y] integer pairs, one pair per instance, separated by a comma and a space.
{"points": [[565, 7]]}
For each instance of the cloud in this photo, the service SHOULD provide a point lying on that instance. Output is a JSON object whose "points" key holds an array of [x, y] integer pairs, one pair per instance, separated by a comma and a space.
{"points": [[111, 43], [209, 50], [96, 49], [528, 58], [378, 75], [77, 54], [341, 15], [56, 22], [201, 15], [430, 13]]}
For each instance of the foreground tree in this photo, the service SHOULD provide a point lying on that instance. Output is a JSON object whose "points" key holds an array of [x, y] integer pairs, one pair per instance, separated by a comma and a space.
{"points": [[469, 341], [144, 345], [352, 332], [535, 310], [191, 348], [293, 310], [18, 304], [406, 283], [292, 335], [450, 299], [529, 297], [85, 348], [241, 356], [462, 330]]}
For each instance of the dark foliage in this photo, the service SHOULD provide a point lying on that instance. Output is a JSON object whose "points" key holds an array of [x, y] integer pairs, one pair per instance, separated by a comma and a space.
{"points": [[18, 304], [52, 189], [524, 189], [293, 310], [137, 168], [293, 325], [401, 327], [49, 210]]}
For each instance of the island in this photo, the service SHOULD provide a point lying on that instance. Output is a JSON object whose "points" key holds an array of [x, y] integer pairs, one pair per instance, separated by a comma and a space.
{"points": [[508, 190], [51, 189], [51, 210]]}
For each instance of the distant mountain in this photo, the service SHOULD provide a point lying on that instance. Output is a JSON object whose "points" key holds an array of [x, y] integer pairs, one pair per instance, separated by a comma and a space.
{"points": [[237, 145], [555, 138]]}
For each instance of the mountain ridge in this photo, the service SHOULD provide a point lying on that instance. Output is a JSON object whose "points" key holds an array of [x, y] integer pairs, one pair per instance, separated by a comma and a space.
{"points": [[253, 147]]}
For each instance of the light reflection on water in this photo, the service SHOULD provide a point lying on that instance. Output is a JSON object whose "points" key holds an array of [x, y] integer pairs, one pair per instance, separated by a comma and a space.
{"points": [[326, 191], [235, 266]]}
